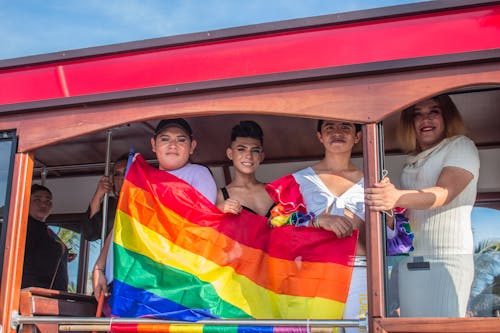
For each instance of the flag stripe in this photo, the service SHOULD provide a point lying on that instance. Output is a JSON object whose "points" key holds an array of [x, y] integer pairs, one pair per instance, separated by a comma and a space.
{"points": [[155, 306], [140, 271], [234, 289], [180, 328], [246, 228], [297, 277], [178, 256]]}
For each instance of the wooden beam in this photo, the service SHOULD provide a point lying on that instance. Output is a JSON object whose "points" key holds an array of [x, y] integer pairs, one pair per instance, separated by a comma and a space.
{"points": [[441, 325], [359, 99], [374, 228]]}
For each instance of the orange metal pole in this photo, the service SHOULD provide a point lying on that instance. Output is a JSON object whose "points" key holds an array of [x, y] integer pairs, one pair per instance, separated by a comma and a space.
{"points": [[15, 238]]}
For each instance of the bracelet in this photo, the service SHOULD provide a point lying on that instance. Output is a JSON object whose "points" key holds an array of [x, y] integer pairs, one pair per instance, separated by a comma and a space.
{"points": [[98, 269], [309, 218], [315, 222]]}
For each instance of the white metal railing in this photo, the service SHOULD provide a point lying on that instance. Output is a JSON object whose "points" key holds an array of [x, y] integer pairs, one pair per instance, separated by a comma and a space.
{"points": [[68, 324]]}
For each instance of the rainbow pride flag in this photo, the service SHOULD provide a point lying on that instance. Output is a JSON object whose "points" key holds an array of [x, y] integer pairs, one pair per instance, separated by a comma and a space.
{"points": [[199, 328], [178, 257]]}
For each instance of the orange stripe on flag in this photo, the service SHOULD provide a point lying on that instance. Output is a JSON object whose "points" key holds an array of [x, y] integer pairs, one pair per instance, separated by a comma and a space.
{"points": [[298, 278]]}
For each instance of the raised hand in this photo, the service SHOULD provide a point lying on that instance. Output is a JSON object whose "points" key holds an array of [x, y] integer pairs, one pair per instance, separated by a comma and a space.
{"points": [[232, 206], [104, 186], [383, 196]]}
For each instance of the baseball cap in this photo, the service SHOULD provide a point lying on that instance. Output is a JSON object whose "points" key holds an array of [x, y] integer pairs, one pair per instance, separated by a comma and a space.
{"points": [[174, 122]]}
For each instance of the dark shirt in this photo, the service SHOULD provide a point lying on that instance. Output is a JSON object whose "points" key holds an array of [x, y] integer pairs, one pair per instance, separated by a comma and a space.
{"points": [[45, 258], [92, 226]]}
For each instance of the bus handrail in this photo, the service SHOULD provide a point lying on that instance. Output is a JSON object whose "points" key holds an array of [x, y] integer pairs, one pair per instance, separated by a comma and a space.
{"points": [[104, 324]]}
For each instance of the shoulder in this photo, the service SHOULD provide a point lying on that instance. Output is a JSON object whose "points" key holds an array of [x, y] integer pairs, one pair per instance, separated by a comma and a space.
{"points": [[461, 152], [194, 166], [202, 179], [201, 174], [461, 145], [222, 193], [461, 141], [306, 172], [198, 169]]}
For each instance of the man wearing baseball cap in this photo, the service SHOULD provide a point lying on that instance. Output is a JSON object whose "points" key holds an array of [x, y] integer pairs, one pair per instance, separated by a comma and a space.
{"points": [[173, 144]]}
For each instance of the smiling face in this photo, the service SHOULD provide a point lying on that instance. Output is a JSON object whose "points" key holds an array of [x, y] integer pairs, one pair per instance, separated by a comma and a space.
{"points": [[172, 146], [40, 205], [429, 124], [246, 154], [338, 136]]}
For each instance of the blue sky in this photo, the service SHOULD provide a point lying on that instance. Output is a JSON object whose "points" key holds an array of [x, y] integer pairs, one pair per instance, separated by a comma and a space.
{"points": [[29, 27], [485, 224]]}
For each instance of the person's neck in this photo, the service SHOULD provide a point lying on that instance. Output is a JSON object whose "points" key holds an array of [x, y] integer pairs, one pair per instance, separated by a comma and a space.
{"points": [[38, 220], [241, 179], [337, 163], [172, 170]]}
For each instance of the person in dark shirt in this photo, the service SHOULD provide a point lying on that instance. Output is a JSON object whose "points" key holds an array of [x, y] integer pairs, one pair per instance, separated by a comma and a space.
{"points": [[45, 256], [93, 225]]}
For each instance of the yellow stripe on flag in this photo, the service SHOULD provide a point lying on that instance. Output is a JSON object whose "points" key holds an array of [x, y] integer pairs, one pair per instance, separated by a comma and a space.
{"points": [[235, 289]]}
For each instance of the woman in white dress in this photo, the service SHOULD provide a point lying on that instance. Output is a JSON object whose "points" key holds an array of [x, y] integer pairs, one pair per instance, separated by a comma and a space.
{"points": [[439, 185]]}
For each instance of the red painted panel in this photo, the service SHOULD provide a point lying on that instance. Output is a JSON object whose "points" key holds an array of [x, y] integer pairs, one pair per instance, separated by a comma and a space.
{"points": [[382, 40]]}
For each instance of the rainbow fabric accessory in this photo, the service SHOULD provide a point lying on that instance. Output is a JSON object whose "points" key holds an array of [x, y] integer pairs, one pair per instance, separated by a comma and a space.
{"points": [[178, 257], [290, 208], [180, 328], [402, 242]]}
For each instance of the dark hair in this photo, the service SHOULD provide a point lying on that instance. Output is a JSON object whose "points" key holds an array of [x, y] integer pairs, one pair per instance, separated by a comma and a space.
{"points": [[39, 188], [174, 122], [122, 157], [247, 129], [321, 121]]}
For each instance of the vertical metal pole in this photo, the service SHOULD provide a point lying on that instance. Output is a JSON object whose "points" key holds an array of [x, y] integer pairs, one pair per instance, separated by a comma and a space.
{"points": [[106, 196], [43, 175]]}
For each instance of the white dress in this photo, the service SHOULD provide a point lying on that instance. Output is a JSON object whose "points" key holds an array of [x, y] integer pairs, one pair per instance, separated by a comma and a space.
{"points": [[318, 198], [443, 236]]}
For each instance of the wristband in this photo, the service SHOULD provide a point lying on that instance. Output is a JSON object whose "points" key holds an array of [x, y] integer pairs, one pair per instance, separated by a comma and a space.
{"points": [[315, 222]]}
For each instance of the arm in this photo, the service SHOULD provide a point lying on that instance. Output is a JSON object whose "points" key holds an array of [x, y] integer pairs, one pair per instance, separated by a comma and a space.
{"points": [[92, 226], [205, 184], [342, 226], [104, 186], [99, 283], [451, 182]]}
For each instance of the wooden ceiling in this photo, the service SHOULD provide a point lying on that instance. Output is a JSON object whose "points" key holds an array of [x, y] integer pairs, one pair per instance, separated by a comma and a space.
{"points": [[285, 138]]}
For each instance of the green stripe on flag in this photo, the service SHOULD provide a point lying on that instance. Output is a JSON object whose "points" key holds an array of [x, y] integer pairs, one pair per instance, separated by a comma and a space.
{"points": [[170, 283]]}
